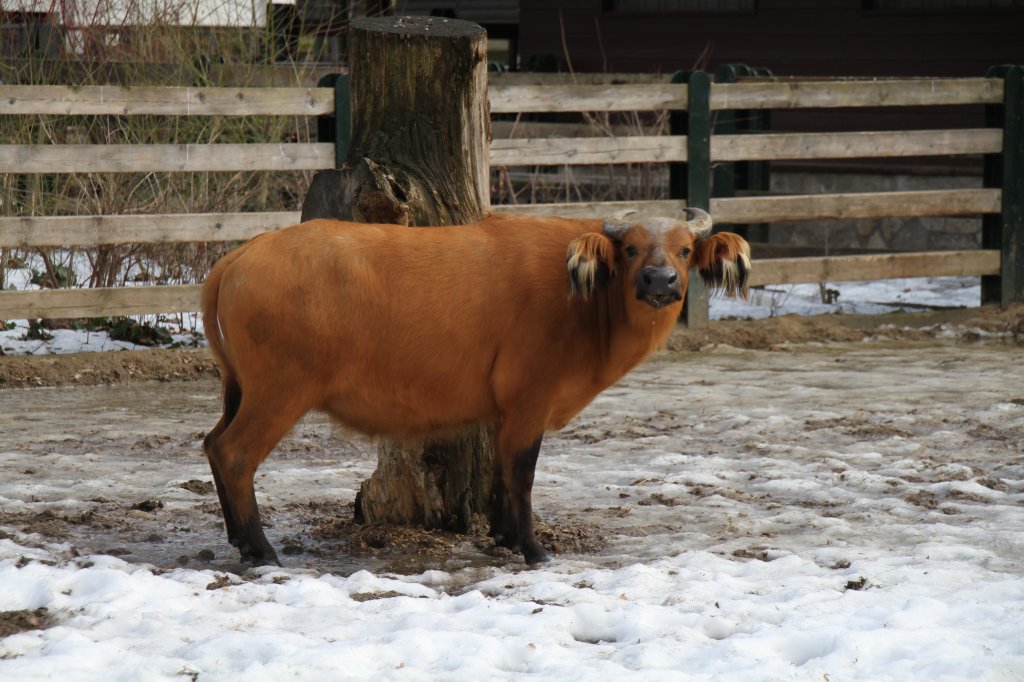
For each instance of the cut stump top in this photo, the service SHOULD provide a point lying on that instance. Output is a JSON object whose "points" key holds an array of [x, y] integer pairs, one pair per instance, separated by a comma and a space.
{"points": [[419, 26]]}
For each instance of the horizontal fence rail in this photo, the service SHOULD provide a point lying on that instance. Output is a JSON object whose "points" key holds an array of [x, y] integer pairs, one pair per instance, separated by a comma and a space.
{"points": [[889, 144], [62, 303], [164, 101], [875, 266], [762, 94], [517, 94], [185, 298], [580, 151], [851, 206], [30, 232], [193, 158], [771, 93], [794, 207], [511, 99], [767, 94]]}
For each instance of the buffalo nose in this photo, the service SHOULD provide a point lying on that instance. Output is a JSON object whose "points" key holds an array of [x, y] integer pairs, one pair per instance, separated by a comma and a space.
{"points": [[661, 277], [659, 286]]}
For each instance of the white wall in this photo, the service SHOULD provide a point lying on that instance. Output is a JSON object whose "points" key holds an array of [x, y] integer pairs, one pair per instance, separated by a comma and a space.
{"points": [[74, 13]]}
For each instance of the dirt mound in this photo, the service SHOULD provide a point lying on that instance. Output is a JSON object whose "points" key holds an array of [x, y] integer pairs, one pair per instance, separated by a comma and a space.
{"points": [[967, 323], [18, 371], [13, 622], [766, 333]]}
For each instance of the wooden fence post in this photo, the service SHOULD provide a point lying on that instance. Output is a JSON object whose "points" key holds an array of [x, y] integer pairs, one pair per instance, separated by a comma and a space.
{"points": [[1005, 230], [418, 155], [692, 180]]}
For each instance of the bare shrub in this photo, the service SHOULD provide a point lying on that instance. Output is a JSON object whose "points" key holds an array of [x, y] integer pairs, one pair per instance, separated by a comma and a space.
{"points": [[585, 183], [136, 44]]}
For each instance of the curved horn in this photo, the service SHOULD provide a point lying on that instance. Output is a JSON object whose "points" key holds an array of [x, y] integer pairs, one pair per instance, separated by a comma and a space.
{"points": [[615, 225], [698, 221]]}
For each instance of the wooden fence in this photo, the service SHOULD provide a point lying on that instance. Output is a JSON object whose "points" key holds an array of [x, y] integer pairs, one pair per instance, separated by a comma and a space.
{"points": [[691, 150]]}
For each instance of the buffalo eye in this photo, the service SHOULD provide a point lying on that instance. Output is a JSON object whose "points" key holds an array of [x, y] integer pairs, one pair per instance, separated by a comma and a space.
{"points": [[631, 252], [685, 252]]}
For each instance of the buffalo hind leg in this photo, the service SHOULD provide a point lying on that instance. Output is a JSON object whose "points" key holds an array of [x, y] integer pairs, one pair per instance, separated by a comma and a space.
{"points": [[512, 505], [232, 400], [234, 457]]}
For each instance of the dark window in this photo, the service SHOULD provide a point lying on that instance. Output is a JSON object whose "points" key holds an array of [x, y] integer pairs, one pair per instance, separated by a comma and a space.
{"points": [[681, 6], [932, 5]]}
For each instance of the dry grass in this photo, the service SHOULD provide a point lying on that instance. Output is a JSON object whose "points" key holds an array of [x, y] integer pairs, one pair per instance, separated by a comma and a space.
{"points": [[148, 47], [597, 183]]}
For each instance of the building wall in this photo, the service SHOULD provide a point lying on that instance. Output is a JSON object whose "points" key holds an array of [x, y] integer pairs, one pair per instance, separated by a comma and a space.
{"points": [[791, 37]]}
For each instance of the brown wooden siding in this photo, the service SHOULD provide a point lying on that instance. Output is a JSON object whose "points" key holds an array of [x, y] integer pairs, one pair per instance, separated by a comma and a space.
{"points": [[791, 38]]}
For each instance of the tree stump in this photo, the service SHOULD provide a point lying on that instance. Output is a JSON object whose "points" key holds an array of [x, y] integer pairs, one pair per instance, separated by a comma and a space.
{"points": [[418, 156], [420, 126]]}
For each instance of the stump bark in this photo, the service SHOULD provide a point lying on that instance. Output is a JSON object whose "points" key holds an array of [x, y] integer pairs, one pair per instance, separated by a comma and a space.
{"points": [[418, 156], [420, 126]]}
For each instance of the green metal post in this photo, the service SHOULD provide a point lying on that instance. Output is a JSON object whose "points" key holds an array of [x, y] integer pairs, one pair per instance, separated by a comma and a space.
{"points": [[343, 119], [1005, 230], [692, 180], [337, 127]]}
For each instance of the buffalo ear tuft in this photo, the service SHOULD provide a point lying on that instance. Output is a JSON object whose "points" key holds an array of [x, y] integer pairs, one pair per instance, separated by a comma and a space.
{"points": [[590, 262], [723, 261]]}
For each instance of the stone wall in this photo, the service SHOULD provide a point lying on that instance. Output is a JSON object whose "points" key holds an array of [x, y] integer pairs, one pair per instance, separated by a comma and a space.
{"points": [[891, 234]]}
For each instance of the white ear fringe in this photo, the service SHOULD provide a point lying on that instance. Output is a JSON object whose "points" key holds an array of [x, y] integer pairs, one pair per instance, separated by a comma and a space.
{"points": [[582, 274], [734, 276]]}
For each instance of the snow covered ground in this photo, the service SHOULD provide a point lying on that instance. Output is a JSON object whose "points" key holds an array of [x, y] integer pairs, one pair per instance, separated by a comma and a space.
{"points": [[825, 513], [867, 298], [16, 340]]}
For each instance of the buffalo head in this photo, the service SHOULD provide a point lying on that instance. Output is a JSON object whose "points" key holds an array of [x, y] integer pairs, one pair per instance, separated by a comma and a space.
{"points": [[653, 256]]}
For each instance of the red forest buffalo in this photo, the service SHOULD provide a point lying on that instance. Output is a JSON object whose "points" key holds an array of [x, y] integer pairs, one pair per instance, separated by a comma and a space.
{"points": [[412, 333]]}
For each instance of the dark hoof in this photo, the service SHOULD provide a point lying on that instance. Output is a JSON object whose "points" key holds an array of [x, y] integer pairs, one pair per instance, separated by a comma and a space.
{"points": [[506, 541], [266, 557], [535, 555]]}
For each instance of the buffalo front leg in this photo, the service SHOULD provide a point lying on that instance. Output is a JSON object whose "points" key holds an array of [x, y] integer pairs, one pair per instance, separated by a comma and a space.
{"points": [[512, 506]]}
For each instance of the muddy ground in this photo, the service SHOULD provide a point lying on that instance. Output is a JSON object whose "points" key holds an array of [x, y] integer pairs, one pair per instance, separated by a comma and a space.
{"points": [[103, 451]]}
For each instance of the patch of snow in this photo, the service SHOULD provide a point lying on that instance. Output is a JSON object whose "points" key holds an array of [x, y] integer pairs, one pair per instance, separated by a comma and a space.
{"points": [[868, 298], [694, 615]]}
